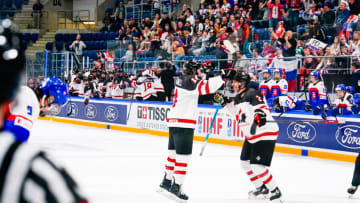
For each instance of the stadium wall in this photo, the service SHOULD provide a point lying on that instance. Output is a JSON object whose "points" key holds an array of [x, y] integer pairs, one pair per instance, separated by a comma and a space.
{"points": [[339, 142]]}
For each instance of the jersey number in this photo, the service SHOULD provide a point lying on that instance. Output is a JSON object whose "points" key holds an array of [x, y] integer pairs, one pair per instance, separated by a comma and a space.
{"points": [[147, 86], [29, 110]]}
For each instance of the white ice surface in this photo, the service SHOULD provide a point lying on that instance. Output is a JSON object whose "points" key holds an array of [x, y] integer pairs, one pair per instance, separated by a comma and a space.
{"points": [[114, 166]]}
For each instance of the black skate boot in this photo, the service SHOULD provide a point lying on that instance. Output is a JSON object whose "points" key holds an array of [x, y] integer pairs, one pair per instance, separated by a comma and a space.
{"points": [[352, 190], [275, 195], [177, 193], [260, 193], [165, 185]]}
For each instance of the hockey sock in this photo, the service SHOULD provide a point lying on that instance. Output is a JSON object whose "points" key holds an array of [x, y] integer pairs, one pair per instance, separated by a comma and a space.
{"points": [[245, 165], [170, 164], [180, 168], [264, 175]]}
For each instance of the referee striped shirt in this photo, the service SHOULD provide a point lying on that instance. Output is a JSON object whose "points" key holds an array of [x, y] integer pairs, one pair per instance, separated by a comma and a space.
{"points": [[28, 175]]}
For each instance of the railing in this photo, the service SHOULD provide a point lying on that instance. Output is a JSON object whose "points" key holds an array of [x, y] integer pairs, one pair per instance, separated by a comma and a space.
{"points": [[73, 19]]}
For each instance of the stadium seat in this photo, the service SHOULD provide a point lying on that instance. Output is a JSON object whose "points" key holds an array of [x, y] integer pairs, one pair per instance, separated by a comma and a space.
{"points": [[34, 37], [109, 10], [49, 46], [59, 37], [18, 3], [9, 3], [59, 46], [66, 37], [73, 36], [67, 46], [26, 37]]}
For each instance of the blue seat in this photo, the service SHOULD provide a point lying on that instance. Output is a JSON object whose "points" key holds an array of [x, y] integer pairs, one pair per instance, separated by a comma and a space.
{"points": [[59, 46], [59, 37], [9, 3], [34, 37], [67, 45], [66, 37], [73, 36], [49, 46], [26, 37], [19, 3]]}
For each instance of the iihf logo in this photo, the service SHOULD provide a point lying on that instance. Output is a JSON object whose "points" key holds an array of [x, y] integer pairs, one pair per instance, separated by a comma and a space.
{"points": [[90, 111], [73, 108], [111, 113]]}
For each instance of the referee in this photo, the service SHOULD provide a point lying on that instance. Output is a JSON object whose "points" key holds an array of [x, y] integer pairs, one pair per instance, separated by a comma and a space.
{"points": [[26, 173]]}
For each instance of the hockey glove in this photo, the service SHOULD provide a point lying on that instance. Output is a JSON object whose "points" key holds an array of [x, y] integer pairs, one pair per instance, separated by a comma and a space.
{"points": [[228, 73], [260, 117], [123, 86], [317, 110], [218, 98], [355, 109], [308, 107], [337, 111]]}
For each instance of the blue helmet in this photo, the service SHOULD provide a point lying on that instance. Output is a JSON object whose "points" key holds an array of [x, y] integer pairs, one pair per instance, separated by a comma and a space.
{"points": [[340, 87], [350, 89], [56, 88], [278, 70], [356, 98], [316, 74]]}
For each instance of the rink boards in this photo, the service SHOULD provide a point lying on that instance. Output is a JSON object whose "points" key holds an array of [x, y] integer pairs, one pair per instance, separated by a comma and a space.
{"points": [[329, 141]]}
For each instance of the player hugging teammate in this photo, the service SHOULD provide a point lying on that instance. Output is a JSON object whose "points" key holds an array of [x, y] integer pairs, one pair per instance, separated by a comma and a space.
{"points": [[248, 108]]}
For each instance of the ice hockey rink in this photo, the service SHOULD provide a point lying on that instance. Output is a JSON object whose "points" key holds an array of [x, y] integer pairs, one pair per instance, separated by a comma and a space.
{"points": [[114, 166]]}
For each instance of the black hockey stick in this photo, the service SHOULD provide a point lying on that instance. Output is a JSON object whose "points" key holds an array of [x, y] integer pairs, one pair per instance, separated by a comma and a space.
{"points": [[131, 102]]}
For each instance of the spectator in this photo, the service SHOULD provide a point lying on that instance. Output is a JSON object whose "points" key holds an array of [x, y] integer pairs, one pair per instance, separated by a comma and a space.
{"points": [[335, 47], [343, 62], [198, 25], [289, 43], [319, 32], [226, 6], [355, 77], [167, 79], [78, 47], [166, 45], [293, 13], [242, 62], [147, 23], [156, 21], [165, 20], [355, 44], [257, 63], [37, 13], [190, 18], [178, 51], [276, 13], [342, 14], [107, 23], [327, 62], [31, 84], [311, 14], [327, 16], [354, 6], [119, 14]]}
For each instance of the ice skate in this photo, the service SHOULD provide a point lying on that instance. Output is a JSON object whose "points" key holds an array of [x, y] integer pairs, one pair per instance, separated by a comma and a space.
{"points": [[275, 195], [259, 193], [352, 191], [177, 194], [165, 186]]}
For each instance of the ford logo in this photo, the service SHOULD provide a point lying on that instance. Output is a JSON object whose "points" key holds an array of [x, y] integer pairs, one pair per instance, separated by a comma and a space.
{"points": [[301, 132], [111, 113], [90, 111], [348, 136]]}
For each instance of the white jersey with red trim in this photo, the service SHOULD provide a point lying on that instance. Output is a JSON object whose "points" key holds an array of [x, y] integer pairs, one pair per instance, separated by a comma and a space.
{"points": [[183, 113], [158, 86], [287, 101], [317, 93], [109, 87], [346, 101], [23, 112], [146, 87], [75, 87], [81, 89], [243, 110], [278, 88]]}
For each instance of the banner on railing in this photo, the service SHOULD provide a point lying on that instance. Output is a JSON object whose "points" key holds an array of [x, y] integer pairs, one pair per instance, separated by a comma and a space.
{"points": [[152, 116]]}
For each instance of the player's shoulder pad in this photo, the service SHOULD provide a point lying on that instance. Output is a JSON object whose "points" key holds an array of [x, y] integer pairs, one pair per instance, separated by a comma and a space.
{"points": [[186, 82]]}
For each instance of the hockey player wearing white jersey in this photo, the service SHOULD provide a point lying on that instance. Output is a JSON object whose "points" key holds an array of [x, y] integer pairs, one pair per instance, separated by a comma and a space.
{"points": [[265, 85], [119, 85], [23, 111], [317, 94], [279, 86], [252, 113], [343, 103], [181, 122]]}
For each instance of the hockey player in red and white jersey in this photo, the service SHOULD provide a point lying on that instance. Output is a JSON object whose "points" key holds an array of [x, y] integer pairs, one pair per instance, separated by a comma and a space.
{"points": [[145, 86], [279, 86], [181, 122], [252, 113], [119, 85], [108, 84], [75, 87]]}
